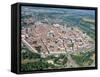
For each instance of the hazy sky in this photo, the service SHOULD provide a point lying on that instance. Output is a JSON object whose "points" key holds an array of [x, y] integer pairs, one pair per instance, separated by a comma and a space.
{"points": [[58, 10]]}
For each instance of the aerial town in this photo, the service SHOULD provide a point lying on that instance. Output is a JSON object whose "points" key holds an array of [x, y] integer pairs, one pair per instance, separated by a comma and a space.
{"points": [[55, 40]]}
